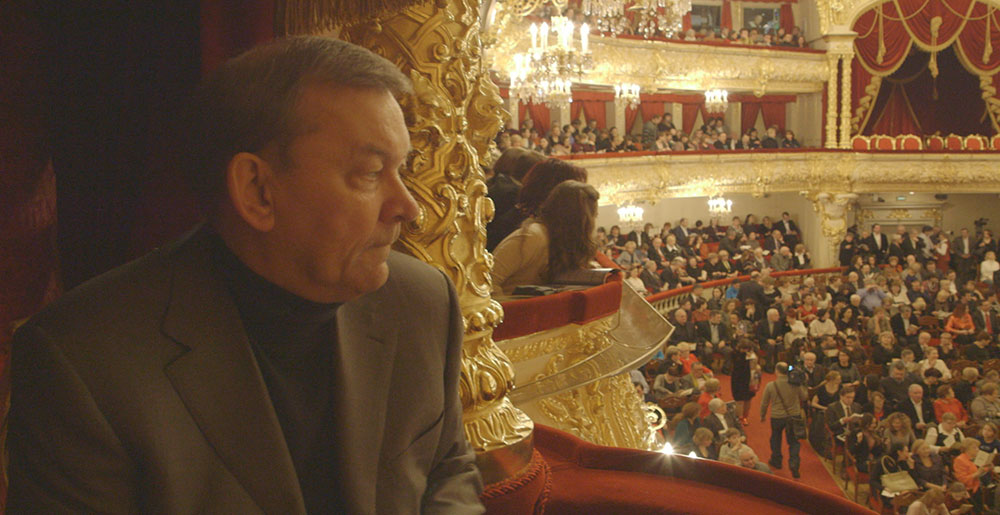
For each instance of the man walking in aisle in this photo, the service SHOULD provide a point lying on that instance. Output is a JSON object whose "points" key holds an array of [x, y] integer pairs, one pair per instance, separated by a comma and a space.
{"points": [[787, 399]]}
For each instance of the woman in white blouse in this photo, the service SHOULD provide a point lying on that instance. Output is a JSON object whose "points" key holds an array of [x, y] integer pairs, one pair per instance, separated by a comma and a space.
{"points": [[931, 361], [822, 325], [988, 266]]}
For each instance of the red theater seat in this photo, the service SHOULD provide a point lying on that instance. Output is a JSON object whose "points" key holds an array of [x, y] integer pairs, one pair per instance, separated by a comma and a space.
{"points": [[935, 143], [860, 142]]}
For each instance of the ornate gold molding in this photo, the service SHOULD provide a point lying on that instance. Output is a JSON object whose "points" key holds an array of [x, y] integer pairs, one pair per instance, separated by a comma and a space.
{"points": [[622, 180], [454, 113], [833, 209], [677, 66], [840, 14]]}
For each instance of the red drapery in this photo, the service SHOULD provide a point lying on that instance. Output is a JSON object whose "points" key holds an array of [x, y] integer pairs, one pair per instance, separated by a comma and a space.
{"points": [[774, 114], [593, 104], [630, 116], [749, 111], [595, 110], [574, 110], [686, 22], [726, 21], [786, 17], [651, 108], [887, 32], [539, 113], [688, 113]]}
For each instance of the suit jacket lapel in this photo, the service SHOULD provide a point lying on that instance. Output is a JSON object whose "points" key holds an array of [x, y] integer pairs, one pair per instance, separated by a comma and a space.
{"points": [[220, 384], [364, 367]]}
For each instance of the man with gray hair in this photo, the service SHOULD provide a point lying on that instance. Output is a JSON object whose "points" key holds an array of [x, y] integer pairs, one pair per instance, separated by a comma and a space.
{"points": [[271, 361], [720, 419]]}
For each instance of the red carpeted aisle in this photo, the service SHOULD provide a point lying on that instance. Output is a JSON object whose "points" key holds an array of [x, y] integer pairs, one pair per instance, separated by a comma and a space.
{"points": [[813, 472]]}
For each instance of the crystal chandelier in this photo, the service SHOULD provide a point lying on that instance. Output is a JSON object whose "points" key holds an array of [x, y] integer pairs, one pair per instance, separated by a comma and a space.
{"points": [[716, 101], [720, 206], [665, 16], [627, 94], [545, 73], [630, 215]]}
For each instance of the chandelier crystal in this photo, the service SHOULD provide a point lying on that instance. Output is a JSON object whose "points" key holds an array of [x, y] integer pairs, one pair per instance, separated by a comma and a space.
{"points": [[650, 16], [545, 72], [716, 101], [720, 206], [627, 94], [630, 215]]}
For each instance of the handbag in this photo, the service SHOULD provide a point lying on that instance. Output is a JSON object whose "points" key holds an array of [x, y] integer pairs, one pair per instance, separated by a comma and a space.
{"points": [[896, 482], [796, 423]]}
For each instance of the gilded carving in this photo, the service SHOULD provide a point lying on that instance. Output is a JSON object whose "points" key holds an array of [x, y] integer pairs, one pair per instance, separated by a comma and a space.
{"points": [[605, 412], [622, 180], [596, 334], [667, 65], [452, 116], [899, 214], [833, 209]]}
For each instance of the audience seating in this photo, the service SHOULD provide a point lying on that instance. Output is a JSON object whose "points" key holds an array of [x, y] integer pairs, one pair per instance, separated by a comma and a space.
{"points": [[909, 142], [880, 142], [953, 142], [975, 142], [935, 143], [859, 142], [995, 142]]}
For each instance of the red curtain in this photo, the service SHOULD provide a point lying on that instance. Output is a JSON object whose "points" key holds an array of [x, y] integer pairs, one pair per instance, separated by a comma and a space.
{"points": [[689, 112], [726, 21], [912, 101], [774, 114], [686, 22], [595, 110], [574, 110], [539, 113], [651, 108], [630, 116], [786, 17], [748, 115]]}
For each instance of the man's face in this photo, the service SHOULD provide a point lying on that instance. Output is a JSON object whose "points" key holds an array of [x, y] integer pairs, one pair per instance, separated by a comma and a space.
{"points": [[341, 203], [898, 373], [877, 229], [916, 393], [747, 461], [809, 361], [681, 317], [848, 398]]}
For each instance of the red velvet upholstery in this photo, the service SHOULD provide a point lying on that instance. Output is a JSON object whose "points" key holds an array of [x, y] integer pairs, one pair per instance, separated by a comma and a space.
{"points": [[935, 143], [587, 478], [527, 492], [598, 302], [536, 314]]}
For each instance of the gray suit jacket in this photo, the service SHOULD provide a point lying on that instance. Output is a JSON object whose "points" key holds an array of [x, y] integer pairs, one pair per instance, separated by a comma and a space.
{"points": [[138, 392]]}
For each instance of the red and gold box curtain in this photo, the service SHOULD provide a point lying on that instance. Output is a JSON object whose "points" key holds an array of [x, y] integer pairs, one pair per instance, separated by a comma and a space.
{"points": [[539, 113], [593, 104], [887, 32], [772, 107]]}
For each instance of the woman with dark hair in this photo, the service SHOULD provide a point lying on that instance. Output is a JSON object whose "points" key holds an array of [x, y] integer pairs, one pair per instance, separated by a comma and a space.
{"points": [[560, 239], [505, 184], [745, 380], [960, 324], [535, 188]]}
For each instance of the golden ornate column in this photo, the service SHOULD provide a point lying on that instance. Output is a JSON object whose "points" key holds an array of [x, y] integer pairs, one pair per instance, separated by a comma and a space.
{"points": [[831, 101], [845, 102], [455, 112], [833, 209]]}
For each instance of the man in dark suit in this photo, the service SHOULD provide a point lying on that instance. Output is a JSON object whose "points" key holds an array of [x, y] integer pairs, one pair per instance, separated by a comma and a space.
{"points": [[682, 232], [774, 241], [716, 337], [839, 413], [719, 419], [685, 331], [919, 409], [753, 289], [282, 359], [912, 245], [878, 243], [984, 318], [789, 230], [670, 275], [962, 249], [904, 325], [770, 337]]}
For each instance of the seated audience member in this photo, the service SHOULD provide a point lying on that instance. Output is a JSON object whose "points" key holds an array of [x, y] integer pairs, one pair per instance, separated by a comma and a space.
{"points": [[964, 387], [505, 183], [849, 374], [919, 409], [946, 347], [629, 256], [957, 499], [945, 435], [704, 446], [930, 503], [716, 337], [897, 429], [981, 350], [897, 458], [650, 279], [896, 386], [988, 436], [960, 325], [841, 412], [966, 471], [672, 383], [931, 361], [729, 450], [864, 442], [535, 189], [876, 406], [720, 420], [947, 403], [635, 281], [560, 240], [684, 425], [710, 392], [749, 459], [929, 470], [986, 407], [699, 375]]}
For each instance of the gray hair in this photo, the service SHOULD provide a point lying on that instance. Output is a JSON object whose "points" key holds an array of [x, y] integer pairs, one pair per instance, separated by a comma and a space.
{"points": [[717, 405], [250, 102]]}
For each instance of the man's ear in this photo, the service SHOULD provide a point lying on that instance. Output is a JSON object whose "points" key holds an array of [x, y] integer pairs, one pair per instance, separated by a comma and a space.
{"points": [[250, 185]]}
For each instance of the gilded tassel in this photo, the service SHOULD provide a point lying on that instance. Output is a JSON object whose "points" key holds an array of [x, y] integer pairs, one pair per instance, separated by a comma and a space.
{"points": [[988, 47], [881, 37]]}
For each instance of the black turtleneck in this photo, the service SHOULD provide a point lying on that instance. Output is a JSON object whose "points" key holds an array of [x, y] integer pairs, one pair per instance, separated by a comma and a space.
{"points": [[294, 342]]}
